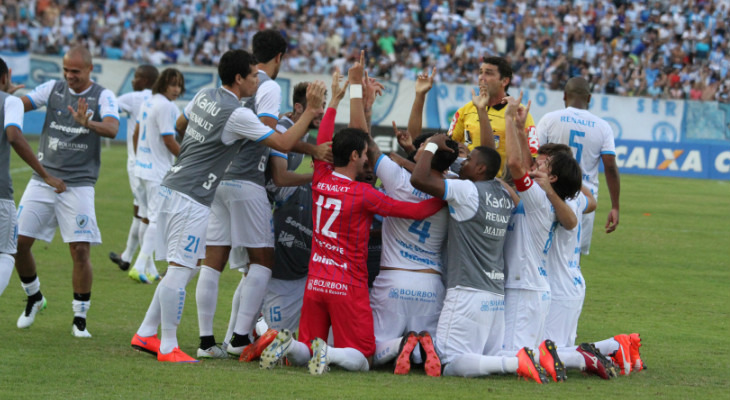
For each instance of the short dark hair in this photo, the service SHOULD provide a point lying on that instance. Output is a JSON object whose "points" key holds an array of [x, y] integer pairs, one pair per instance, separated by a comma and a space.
{"points": [[167, 78], [505, 70], [488, 157], [299, 94], [345, 142], [149, 73], [550, 149], [443, 159], [3, 68], [567, 170], [267, 44], [235, 62]]}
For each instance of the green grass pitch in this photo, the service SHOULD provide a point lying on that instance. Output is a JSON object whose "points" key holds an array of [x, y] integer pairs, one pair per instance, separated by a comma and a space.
{"points": [[664, 273]]}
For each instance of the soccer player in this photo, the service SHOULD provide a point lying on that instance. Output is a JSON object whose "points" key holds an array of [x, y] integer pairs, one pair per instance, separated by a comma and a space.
{"points": [[337, 294], [155, 148], [471, 323], [495, 76], [144, 77], [541, 208], [11, 120], [69, 148], [591, 140], [214, 120]]}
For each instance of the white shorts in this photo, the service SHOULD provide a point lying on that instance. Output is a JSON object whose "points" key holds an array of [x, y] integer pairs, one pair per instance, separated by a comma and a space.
{"points": [[8, 227], [41, 210], [181, 226], [149, 199], [405, 301], [561, 324], [283, 303], [133, 181], [241, 216], [524, 318], [586, 232], [471, 322]]}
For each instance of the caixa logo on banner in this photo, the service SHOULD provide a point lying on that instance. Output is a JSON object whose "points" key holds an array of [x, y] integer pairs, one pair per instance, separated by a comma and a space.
{"points": [[673, 159]]}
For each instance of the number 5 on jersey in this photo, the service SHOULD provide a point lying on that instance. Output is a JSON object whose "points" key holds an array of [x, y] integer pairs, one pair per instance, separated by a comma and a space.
{"points": [[330, 204]]}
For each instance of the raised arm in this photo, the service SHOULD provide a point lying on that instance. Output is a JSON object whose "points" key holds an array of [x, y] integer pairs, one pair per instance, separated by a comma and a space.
{"points": [[424, 83], [486, 135], [613, 182], [107, 127], [287, 140], [513, 142], [357, 112], [563, 212], [371, 89], [283, 177], [422, 178]]}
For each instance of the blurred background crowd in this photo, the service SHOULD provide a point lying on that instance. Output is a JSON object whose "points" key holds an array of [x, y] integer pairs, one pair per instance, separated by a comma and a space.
{"points": [[669, 49]]}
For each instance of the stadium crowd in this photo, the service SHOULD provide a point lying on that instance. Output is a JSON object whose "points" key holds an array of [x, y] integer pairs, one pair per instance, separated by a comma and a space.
{"points": [[670, 49]]}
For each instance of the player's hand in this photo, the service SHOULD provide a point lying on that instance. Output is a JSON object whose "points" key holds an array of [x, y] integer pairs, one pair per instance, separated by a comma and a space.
{"points": [[612, 222], [316, 92], [338, 92], [323, 152], [424, 82], [542, 179], [404, 139], [82, 114], [371, 89], [57, 183], [481, 101], [12, 88], [440, 139], [355, 73]]}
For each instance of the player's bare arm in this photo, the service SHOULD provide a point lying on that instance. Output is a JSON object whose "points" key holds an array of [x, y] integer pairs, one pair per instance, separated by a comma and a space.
{"points": [[321, 152], [402, 162], [354, 77], [405, 141], [108, 126], [135, 137], [613, 182], [513, 142], [286, 141], [592, 204], [12, 88], [515, 197], [338, 93], [486, 134], [22, 148], [180, 125], [371, 89], [171, 144], [424, 83], [422, 178], [283, 177], [563, 212], [521, 114]]}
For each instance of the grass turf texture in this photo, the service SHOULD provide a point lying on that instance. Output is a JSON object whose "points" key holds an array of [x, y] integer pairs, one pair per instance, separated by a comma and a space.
{"points": [[663, 273]]}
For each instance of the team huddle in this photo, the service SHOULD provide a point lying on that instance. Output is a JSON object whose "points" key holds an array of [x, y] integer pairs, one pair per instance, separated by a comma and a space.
{"points": [[465, 261]]}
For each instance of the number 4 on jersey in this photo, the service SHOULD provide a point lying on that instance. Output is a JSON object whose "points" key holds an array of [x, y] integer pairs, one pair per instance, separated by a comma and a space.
{"points": [[422, 233]]}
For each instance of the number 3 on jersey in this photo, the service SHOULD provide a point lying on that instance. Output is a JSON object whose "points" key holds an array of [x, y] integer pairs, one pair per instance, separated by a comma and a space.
{"points": [[331, 204]]}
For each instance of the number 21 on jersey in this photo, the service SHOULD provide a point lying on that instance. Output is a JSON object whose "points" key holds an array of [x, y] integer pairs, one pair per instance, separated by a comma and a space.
{"points": [[330, 204]]}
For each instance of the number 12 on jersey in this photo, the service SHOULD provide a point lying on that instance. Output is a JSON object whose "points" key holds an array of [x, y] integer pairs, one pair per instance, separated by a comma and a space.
{"points": [[330, 204]]}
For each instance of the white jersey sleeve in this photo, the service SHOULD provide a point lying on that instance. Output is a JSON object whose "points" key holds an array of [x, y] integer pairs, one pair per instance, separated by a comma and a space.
{"points": [[268, 100], [392, 175], [39, 96], [108, 106], [244, 124], [463, 198], [13, 112], [128, 101], [167, 118]]}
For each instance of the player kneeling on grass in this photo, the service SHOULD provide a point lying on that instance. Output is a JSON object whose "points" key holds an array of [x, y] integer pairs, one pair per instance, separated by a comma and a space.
{"points": [[336, 294]]}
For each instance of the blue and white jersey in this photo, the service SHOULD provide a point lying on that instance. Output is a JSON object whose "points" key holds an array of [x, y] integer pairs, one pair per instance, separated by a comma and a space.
{"points": [[588, 136], [157, 117], [563, 258], [408, 243], [131, 103]]}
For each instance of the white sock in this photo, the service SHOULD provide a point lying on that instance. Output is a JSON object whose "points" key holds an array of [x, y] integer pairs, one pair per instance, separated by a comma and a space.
{"points": [[348, 358], [234, 310], [142, 230], [386, 351], [172, 301], [252, 297], [298, 353], [471, 365], [132, 240], [140, 264], [148, 241], [31, 288], [206, 298], [7, 264], [80, 308], [151, 320], [607, 346], [571, 358]]}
